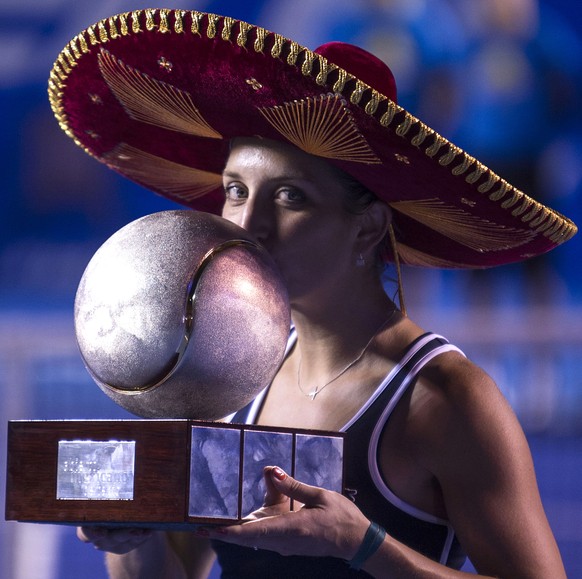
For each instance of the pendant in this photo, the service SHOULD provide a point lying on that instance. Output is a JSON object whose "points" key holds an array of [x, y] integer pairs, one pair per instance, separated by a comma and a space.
{"points": [[313, 394]]}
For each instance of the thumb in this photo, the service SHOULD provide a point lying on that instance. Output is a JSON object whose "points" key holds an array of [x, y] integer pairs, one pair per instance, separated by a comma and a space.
{"points": [[286, 485]]}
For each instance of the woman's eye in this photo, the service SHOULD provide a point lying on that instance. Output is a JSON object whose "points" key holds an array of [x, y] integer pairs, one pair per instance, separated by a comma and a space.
{"points": [[235, 193], [290, 195]]}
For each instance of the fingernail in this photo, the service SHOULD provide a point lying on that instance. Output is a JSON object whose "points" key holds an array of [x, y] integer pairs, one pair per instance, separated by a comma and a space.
{"points": [[279, 473]]}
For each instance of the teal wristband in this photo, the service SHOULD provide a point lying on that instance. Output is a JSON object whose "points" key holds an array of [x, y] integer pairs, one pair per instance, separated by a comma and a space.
{"points": [[373, 538]]}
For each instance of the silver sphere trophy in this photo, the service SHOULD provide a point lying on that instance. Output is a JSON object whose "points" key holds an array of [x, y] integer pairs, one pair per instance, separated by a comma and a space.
{"points": [[181, 314], [181, 318]]}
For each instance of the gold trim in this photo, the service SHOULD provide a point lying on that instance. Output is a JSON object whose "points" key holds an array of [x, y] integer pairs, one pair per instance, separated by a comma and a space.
{"points": [[179, 21], [403, 128], [152, 101], [510, 201], [421, 136], [261, 35], [307, 66], [387, 118], [212, 26], [417, 258], [278, 43], [527, 203], [374, 102], [464, 166], [342, 78], [227, 25], [492, 178], [135, 25], [463, 227], [149, 23], [73, 45], [113, 33], [164, 26], [243, 34], [102, 32], [449, 157], [321, 126], [358, 92], [293, 55], [196, 25], [325, 68], [438, 144], [180, 181], [476, 174]]}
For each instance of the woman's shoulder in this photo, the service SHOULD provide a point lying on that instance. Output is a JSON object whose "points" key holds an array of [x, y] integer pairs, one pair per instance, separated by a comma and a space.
{"points": [[456, 404]]}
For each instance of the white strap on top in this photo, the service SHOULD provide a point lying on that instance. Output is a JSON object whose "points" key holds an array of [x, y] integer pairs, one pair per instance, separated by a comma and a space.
{"points": [[390, 376], [379, 428]]}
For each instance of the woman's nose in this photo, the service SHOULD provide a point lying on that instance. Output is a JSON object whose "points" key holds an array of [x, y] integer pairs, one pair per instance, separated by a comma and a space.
{"points": [[254, 218]]}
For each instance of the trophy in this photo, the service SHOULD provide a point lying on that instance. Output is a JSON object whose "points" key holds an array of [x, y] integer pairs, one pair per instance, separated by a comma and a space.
{"points": [[181, 318]]}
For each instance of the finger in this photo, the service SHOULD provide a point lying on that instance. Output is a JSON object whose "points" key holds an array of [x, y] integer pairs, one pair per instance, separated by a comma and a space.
{"points": [[90, 534], [273, 495], [308, 495]]}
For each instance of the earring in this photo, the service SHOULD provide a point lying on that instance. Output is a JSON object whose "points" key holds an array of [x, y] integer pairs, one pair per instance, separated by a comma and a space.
{"points": [[360, 261]]}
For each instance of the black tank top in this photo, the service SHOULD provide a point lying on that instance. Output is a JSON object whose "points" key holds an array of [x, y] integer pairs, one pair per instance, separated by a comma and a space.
{"points": [[364, 484]]}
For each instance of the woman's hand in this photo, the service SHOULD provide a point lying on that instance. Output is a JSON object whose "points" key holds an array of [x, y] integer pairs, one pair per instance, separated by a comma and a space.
{"points": [[327, 523], [114, 540]]}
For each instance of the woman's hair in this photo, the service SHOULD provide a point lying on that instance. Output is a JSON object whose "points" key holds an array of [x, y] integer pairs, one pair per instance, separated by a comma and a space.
{"points": [[358, 196], [357, 200]]}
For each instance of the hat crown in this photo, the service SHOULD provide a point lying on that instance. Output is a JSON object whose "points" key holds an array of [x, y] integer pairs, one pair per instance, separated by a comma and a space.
{"points": [[362, 64]]}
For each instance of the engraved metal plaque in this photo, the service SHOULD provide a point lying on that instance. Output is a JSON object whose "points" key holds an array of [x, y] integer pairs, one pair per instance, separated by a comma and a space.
{"points": [[95, 470]]}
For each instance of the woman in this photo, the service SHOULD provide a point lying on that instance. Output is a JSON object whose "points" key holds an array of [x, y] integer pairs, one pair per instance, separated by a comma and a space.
{"points": [[332, 178]]}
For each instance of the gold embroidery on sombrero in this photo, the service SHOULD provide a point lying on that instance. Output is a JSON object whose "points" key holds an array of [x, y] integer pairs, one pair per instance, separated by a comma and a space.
{"points": [[113, 32], [462, 227], [411, 256], [227, 24], [321, 126], [163, 26], [375, 100], [294, 49], [243, 33], [476, 174], [309, 59], [196, 23], [124, 28], [152, 101], [135, 28], [150, 23], [179, 21], [261, 35], [182, 182], [212, 22]]}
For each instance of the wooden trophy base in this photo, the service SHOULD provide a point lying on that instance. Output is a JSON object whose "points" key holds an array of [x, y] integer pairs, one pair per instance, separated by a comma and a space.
{"points": [[155, 473]]}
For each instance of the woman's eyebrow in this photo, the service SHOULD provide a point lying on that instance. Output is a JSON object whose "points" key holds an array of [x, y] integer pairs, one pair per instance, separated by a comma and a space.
{"points": [[226, 173]]}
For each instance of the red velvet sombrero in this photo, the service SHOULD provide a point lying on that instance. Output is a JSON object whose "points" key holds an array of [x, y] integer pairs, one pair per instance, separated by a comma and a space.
{"points": [[156, 95]]}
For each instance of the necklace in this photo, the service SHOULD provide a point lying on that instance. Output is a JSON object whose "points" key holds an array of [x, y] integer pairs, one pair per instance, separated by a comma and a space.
{"points": [[313, 393]]}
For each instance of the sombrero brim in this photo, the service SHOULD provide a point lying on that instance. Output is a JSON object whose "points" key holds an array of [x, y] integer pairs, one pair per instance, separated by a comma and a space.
{"points": [[158, 94]]}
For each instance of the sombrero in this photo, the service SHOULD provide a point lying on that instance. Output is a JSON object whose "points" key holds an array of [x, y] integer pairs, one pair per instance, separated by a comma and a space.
{"points": [[157, 95]]}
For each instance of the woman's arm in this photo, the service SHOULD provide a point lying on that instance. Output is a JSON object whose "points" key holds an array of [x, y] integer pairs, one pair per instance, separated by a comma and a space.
{"points": [[463, 431]]}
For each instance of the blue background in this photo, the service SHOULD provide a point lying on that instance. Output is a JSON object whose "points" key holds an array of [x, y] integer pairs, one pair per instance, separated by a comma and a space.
{"points": [[501, 78]]}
